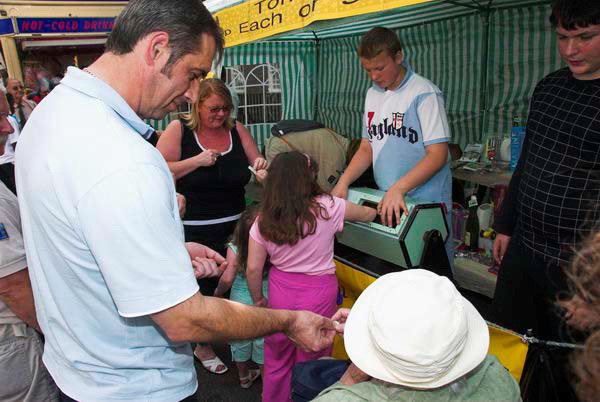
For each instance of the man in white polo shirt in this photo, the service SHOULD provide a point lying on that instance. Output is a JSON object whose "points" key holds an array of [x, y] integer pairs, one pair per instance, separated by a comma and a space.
{"points": [[115, 292]]}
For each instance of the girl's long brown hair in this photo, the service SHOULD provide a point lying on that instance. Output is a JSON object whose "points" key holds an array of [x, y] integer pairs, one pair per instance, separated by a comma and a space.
{"points": [[289, 209], [241, 235]]}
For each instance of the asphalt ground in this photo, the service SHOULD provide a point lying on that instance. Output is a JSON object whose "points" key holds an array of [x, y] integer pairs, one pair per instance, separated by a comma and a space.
{"points": [[225, 387]]}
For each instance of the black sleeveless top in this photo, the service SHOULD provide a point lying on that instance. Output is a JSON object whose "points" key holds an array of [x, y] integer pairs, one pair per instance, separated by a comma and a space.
{"points": [[215, 191]]}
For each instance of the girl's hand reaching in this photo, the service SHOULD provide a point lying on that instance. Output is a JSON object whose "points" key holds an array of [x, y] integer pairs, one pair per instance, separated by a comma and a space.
{"points": [[262, 302]]}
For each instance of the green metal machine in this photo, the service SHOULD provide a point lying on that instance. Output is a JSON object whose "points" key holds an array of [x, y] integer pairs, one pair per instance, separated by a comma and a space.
{"points": [[404, 244]]}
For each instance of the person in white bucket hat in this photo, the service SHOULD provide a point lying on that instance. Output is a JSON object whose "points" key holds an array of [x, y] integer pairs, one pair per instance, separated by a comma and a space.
{"points": [[412, 336]]}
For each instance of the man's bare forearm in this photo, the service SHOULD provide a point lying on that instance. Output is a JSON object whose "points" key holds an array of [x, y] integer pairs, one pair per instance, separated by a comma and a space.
{"points": [[210, 319], [15, 291]]}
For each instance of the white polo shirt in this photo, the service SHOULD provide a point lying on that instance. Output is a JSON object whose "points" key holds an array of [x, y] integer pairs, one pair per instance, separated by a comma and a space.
{"points": [[105, 246]]}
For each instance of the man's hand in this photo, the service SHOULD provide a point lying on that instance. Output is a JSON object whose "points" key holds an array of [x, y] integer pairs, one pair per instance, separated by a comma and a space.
{"points": [[353, 375], [339, 319], [207, 268], [340, 190], [500, 246], [199, 254], [181, 204], [310, 331], [391, 205]]}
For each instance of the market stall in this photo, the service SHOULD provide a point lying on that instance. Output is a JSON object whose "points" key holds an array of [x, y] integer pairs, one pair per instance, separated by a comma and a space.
{"points": [[486, 56]]}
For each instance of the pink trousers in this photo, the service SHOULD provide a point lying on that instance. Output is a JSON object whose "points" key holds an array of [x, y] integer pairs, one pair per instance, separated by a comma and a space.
{"points": [[293, 291]]}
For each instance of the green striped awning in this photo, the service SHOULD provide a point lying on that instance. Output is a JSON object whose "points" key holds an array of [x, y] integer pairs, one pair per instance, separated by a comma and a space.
{"points": [[486, 61], [296, 61]]}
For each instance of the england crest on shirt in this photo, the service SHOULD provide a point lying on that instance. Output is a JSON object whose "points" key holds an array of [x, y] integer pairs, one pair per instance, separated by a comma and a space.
{"points": [[397, 120]]}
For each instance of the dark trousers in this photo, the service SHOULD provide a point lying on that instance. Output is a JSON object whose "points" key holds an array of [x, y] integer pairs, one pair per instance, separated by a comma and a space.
{"points": [[526, 298], [213, 236], [191, 398], [526, 294]]}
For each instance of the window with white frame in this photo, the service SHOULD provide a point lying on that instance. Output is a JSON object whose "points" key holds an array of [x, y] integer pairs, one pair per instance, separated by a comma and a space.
{"points": [[258, 88]]}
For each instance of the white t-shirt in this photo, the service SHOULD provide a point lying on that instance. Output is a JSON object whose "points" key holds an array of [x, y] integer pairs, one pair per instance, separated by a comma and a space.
{"points": [[9, 148], [105, 246], [12, 252], [399, 124]]}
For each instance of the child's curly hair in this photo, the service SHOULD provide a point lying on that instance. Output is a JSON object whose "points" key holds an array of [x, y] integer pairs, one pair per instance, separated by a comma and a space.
{"points": [[584, 282]]}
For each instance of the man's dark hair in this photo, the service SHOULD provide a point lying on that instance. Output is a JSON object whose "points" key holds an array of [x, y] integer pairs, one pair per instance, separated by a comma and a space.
{"points": [[377, 40], [184, 20], [570, 14]]}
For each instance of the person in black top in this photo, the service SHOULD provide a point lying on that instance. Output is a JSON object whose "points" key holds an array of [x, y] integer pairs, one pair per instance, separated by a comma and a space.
{"points": [[553, 197], [209, 155]]}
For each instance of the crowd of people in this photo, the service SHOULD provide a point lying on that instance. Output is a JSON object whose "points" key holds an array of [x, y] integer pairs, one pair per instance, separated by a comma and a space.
{"points": [[118, 255]]}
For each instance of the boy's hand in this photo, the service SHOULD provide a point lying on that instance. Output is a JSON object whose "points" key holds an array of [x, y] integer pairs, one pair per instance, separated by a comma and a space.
{"points": [[340, 190], [391, 205], [499, 248]]}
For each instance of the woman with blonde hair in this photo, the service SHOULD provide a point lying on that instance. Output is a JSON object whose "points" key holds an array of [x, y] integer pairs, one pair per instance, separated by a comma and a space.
{"points": [[209, 154]]}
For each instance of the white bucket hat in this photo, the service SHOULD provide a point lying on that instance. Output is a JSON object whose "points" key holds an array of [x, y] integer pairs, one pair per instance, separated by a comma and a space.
{"points": [[413, 328]]}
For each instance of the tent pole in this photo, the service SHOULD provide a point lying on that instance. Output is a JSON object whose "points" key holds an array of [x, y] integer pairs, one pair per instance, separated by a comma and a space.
{"points": [[485, 69], [316, 83]]}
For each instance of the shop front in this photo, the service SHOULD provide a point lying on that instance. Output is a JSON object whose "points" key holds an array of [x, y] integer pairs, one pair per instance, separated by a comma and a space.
{"points": [[40, 39]]}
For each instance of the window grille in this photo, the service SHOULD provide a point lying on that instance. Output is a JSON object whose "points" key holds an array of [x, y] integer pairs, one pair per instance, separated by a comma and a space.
{"points": [[258, 88]]}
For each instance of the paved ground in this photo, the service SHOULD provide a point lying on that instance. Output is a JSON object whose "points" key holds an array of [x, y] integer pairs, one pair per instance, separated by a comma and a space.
{"points": [[225, 387]]}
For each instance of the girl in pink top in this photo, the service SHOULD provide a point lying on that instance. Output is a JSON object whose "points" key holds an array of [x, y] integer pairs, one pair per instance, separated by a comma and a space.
{"points": [[296, 227]]}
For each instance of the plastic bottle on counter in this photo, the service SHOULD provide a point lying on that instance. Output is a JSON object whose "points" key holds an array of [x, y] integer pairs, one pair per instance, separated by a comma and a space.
{"points": [[517, 136], [471, 237]]}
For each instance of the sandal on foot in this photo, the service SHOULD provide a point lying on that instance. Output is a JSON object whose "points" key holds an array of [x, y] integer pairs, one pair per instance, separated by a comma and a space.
{"points": [[247, 381], [213, 364]]}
